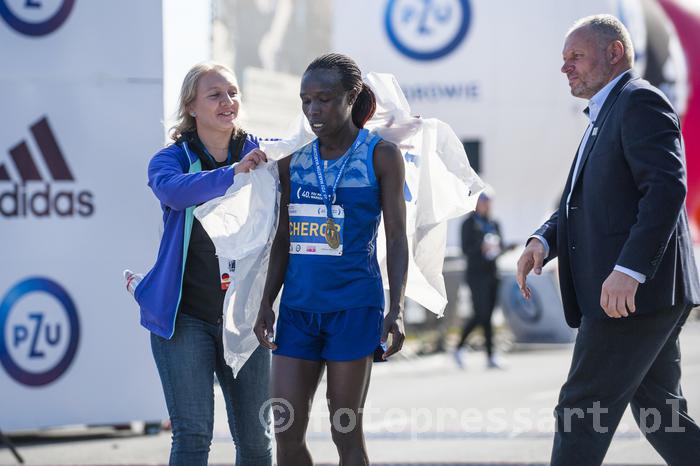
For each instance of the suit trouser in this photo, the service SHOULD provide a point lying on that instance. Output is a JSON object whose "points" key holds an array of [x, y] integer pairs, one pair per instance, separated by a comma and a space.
{"points": [[616, 362]]}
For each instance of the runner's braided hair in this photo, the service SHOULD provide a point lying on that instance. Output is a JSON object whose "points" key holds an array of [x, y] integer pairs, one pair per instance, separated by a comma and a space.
{"points": [[351, 79]]}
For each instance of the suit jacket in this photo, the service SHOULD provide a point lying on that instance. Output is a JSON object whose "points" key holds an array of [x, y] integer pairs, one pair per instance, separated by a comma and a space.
{"points": [[627, 208]]}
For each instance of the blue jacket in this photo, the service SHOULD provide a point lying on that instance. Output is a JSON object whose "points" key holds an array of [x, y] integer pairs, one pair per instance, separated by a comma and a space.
{"points": [[175, 175]]}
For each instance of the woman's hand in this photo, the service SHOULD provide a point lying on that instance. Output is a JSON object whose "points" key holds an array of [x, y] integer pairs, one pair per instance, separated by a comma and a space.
{"points": [[251, 160], [393, 324], [265, 327]]}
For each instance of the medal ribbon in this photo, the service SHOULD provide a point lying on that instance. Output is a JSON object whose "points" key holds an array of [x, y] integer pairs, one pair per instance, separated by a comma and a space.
{"points": [[320, 176]]}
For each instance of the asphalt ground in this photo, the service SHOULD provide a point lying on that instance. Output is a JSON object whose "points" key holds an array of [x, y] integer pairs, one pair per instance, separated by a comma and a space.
{"points": [[420, 411]]}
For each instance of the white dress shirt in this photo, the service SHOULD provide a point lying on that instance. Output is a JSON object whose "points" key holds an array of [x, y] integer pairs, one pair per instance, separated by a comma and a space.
{"points": [[592, 111]]}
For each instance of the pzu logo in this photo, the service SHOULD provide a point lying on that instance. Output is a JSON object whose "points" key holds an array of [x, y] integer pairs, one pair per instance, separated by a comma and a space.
{"points": [[35, 17], [39, 331], [427, 29]]}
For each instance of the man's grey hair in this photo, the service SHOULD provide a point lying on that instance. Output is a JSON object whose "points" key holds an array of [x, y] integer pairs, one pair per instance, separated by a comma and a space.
{"points": [[607, 29]]}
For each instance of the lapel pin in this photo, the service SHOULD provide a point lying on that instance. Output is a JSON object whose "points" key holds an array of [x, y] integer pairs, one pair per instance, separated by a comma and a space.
{"points": [[595, 131]]}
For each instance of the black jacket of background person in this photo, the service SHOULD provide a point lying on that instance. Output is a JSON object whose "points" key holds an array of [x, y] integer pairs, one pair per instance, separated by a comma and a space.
{"points": [[473, 232], [627, 208]]}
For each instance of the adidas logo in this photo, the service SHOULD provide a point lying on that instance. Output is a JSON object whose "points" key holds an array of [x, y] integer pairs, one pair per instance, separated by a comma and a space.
{"points": [[35, 195]]}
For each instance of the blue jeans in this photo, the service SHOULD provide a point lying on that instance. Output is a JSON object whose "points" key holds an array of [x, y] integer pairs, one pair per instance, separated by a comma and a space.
{"points": [[186, 364]]}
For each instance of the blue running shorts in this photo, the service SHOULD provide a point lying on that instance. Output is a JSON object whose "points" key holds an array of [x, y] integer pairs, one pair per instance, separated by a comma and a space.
{"points": [[328, 336]]}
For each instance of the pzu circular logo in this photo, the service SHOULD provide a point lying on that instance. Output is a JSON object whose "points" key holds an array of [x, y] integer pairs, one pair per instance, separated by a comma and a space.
{"points": [[427, 29], [39, 331], [35, 17]]}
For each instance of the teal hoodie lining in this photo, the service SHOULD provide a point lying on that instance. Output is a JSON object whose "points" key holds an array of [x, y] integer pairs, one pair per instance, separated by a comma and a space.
{"points": [[195, 167]]}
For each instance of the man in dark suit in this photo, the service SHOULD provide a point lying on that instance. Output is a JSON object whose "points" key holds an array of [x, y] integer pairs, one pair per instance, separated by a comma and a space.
{"points": [[626, 268]]}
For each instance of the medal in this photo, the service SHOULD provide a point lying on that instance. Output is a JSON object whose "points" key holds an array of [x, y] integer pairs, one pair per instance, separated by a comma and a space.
{"points": [[332, 236]]}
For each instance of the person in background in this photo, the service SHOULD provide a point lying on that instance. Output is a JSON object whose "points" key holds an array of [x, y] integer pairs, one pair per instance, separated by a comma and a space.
{"points": [[182, 296], [482, 244]]}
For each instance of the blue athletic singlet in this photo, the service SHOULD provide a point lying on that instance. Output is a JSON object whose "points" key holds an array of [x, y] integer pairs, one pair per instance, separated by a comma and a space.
{"points": [[320, 278]]}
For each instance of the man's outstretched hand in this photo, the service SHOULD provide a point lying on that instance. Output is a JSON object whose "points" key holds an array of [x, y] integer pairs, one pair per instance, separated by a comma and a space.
{"points": [[532, 258]]}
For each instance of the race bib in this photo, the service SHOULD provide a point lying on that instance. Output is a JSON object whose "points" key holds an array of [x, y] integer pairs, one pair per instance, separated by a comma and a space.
{"points": [[307, 229]]}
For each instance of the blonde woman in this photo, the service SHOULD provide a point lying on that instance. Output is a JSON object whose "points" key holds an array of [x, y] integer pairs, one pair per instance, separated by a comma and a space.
{"points": [[181, 298]]}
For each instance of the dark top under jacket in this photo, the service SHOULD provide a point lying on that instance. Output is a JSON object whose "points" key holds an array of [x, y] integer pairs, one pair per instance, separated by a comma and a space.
{"points": [[202, 296]]}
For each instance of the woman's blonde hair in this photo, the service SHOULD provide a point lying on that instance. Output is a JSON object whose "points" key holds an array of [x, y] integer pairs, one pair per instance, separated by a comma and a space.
{"points": [[185, 122]]}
